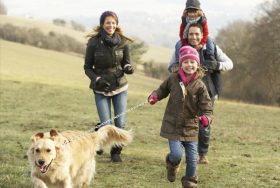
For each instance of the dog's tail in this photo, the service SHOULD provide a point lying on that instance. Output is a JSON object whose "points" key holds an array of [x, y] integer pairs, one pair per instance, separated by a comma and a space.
{"points": [[110, 135]]}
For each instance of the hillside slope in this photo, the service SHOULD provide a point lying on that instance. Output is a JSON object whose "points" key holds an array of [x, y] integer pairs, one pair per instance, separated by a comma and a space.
{"points": [[44, 26], [156, 53], [31, 64]]}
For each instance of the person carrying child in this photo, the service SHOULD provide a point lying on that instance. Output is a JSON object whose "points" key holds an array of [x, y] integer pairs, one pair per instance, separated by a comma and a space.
{"points": [[188, 106], [194, 14], [222, 63]]}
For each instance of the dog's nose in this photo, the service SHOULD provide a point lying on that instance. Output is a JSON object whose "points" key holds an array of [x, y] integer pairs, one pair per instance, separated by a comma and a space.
{"points": [[41, 162]]}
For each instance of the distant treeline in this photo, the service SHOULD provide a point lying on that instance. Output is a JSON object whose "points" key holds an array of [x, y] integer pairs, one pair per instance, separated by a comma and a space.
{"points": [[58, 42], [156, 70], [3, 9], [75, 25], [35, 37], [254, 48]]}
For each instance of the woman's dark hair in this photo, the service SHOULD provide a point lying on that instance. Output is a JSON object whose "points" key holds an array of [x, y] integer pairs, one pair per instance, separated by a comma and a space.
{"points": [[105, 14], [96, 31]]}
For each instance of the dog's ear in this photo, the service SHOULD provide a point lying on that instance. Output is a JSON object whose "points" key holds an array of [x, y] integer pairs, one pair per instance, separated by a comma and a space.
{"points": [[37, 136], [53, 133]]}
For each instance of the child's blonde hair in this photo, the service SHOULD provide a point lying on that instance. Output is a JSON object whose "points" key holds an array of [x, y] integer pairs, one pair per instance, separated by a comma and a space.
{"points": [[198, 12], [200, 71]]}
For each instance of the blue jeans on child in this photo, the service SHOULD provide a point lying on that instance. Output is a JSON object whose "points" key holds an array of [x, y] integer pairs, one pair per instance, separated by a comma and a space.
{"points": [[176, 151], [103, 105]]}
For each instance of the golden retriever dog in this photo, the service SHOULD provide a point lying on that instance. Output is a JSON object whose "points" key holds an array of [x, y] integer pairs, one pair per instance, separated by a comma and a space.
{"points": [[67, 159]]}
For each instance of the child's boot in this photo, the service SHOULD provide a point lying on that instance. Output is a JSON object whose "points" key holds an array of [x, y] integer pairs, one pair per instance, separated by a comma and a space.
{"points": [[203, 159], [189, 182], [172, 169]]}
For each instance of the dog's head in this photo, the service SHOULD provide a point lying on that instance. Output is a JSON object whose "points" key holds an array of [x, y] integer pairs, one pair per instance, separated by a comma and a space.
{"points": [[43, 150]]}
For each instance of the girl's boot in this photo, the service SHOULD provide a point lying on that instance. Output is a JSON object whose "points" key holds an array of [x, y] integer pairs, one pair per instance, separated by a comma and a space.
{"points": [[172, 169], [189, 182]]}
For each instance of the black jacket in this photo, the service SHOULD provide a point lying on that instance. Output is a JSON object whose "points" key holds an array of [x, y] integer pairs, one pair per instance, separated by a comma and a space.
{"points": [[212, 78], [102, 60]]}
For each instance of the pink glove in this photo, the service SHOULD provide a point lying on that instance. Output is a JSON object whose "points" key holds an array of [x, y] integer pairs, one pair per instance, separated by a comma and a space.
{"points": [[204, 121], [153, 99]]}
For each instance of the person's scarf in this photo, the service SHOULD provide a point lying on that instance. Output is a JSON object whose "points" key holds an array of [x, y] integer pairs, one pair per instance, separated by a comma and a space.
{"points": [[186, 80], [189, 21], [110, 40]]}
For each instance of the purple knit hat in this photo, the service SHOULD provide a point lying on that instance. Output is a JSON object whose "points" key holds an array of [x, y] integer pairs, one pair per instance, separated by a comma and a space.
{"points": [[188, 52], [105, 14]]}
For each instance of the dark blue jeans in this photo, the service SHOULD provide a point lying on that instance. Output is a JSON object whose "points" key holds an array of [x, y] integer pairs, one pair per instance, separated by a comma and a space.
{"points": [[103, 105], [204, 136], [203, 139], [176, 152]]}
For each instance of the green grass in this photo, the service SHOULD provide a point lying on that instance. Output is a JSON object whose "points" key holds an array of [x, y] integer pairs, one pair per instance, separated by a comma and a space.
{"points": [[158, 54], [41, 89]]}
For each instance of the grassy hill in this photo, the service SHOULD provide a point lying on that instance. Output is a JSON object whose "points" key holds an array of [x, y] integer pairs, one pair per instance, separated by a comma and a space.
{"points": [[156, 53], [44, 26], [41, 89]]}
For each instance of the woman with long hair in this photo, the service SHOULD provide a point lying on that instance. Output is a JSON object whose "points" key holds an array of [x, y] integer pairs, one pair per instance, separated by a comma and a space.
{"points": [[107, 60]]}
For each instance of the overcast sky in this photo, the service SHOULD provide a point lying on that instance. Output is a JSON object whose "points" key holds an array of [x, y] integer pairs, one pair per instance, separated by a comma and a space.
{"points": [[218, 12]]}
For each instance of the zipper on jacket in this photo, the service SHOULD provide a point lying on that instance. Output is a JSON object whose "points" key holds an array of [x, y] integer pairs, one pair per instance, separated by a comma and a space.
{"points": [[185, 92]]}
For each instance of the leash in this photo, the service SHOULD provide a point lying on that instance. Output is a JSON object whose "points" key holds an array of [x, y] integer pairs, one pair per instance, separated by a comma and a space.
{"points": [[99, 125]]}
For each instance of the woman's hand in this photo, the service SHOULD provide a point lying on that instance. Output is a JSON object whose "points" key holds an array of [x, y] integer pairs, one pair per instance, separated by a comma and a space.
{"points": [[102, 84], [128, 69]]}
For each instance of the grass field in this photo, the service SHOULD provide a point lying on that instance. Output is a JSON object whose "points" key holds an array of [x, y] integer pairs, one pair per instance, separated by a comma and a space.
{"points": [[158, 54], [41, 89]]}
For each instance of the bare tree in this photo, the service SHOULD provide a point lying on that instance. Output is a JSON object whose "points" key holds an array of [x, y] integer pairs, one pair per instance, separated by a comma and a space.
{"points": [[3, 9], [59, 22], [235, 39], [254, 49], [77, 26], [264, 57]]}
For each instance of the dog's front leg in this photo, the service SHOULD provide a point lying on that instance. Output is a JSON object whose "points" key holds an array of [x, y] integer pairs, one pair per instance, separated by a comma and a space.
{"points": [[67, 183], [38, 183]]}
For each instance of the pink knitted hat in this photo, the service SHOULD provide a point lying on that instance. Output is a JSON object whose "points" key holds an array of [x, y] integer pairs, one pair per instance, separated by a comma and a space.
{"points": [[188, 52]]}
